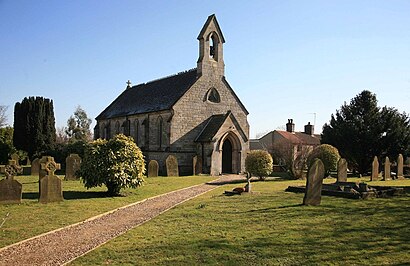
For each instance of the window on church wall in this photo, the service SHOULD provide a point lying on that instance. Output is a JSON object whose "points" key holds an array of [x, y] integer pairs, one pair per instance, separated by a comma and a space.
{"points": [[117, 127], [136, 132], [213, 96], [160, 132]]}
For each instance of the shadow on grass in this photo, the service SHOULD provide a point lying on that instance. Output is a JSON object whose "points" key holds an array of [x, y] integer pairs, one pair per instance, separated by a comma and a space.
{"points": [[273, 208], [71, 195]]}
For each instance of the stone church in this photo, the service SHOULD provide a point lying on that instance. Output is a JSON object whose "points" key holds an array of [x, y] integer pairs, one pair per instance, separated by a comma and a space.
{"points": [[195, 113]]}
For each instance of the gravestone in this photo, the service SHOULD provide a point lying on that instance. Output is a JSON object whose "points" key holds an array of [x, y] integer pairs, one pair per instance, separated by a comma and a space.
{"points": [[375, 169], [15, 157], [153, 168], [172, 166], [42, 172], [400, 161], [35, 166], [313, 194], [72, 165], [386, 173], [10, 189], [197, 165], [50, 185], [342, 170]]}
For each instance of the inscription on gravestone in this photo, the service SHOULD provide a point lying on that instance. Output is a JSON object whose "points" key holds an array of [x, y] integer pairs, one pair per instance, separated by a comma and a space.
{"points": [[342, 170], [10, 189], [313, 194], [50, 185], [172, 166], [153, 168]]}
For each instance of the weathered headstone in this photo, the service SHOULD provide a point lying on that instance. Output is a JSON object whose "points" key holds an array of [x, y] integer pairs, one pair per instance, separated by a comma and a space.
{"points": [[386, 173], [313, 194], [15, 157], [342, 170], [197, 165], [72, 165], [50, 185], [375, 169], [42, 172], [153, 168], [35, 166], [172, 166], [400, 161], [10, 189]]}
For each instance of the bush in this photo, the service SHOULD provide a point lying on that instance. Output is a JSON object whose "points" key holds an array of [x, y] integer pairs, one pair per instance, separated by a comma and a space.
{"points": [[117, 163], [329, 156], [259, 163]]}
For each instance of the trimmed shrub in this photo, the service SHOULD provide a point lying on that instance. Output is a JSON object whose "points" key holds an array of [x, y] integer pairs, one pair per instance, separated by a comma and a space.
{"points": [[329, 156], [117, 163], [259, 163]]}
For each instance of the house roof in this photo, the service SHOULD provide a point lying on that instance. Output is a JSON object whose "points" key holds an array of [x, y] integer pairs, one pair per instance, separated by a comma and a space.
{"points": [[254, 144], [300, 137], [156, 95]]}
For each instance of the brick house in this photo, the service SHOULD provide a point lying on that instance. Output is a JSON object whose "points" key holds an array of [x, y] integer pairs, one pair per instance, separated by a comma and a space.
{"points": [[193, 113]]}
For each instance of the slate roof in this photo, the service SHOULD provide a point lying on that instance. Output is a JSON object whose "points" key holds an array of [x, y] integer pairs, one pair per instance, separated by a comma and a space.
{"points": [[211, 128], [300, 137], [152, 96]]}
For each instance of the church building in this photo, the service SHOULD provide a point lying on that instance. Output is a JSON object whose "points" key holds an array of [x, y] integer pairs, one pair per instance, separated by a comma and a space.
{"points": [[194, 114]]}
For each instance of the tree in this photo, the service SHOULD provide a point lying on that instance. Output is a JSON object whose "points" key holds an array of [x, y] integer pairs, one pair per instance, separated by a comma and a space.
{"points": [[34, 125], [3, 116], [328, 154], [259, 163], [6, 144], [361, 130], [117, 163], [78, 126]]}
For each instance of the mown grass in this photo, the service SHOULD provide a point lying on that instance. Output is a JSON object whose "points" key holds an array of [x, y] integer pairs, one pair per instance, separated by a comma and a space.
{"points": [[267, 227], [31, 218]]}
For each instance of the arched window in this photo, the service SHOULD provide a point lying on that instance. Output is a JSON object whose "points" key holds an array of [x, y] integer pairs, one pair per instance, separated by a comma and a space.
{"points": [[213, 96], [117, 127], [160, 131], [136, 131]]}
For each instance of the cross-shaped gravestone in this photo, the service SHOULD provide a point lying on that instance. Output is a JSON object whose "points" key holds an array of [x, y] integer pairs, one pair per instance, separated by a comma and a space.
{"points": [[10, 189], [50, 185]]}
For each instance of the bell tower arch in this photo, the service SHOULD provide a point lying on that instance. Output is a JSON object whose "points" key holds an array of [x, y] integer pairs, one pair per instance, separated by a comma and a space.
{"points": [[211, 40]]}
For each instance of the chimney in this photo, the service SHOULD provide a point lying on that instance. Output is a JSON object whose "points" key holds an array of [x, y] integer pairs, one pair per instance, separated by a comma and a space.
{"points": [[309, 129], [290, 127]]}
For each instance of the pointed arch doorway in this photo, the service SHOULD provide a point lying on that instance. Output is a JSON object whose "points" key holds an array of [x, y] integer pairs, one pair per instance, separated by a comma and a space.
{"points": [[227, 157]]}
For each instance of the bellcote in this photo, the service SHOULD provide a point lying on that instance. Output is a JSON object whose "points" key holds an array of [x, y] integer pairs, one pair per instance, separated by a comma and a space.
{"points": [[211, 40]]}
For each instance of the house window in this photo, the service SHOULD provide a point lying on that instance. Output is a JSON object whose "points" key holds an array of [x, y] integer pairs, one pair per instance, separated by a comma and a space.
{"points": [[213, 96]]}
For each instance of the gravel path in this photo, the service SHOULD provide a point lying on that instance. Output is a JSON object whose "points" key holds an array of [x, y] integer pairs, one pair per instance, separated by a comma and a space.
{"points": [[64, 245]]}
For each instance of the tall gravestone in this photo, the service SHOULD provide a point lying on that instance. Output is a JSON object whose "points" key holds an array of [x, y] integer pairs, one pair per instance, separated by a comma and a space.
{"points": [[172, 166], [35, 166], [313, 194], [15, 157], [50, 185], [342, 170], [386, 173], [10, 189], [375, 169], [400, 167], [197, 165], [153, 168], [72, 165]]}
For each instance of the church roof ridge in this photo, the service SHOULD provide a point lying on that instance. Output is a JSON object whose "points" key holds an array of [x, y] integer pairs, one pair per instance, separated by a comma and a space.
{"points": [[166, 77]]}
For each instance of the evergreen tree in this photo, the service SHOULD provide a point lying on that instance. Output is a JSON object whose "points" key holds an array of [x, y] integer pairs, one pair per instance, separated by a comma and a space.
{"points": [[361, 130], [34, 125]]}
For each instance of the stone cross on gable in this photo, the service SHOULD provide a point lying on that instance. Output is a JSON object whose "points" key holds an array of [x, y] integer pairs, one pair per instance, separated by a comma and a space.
{"points": [[11, 169], [128, 84], [50, 166]]}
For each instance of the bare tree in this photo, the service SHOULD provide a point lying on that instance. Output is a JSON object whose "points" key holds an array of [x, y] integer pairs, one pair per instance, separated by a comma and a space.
{"points": [[61, 135], [3, 116]]}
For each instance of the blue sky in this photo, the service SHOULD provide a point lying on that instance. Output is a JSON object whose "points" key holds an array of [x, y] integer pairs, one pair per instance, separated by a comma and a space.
{"points": [[284, 59]]}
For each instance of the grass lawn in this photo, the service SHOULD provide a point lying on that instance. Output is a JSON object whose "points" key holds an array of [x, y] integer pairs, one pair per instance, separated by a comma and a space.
{"points": [[267, 227], [31, 218]]}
